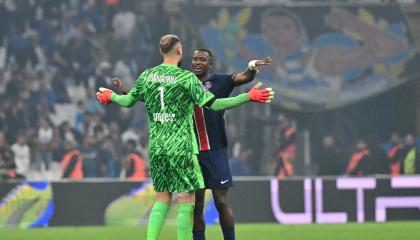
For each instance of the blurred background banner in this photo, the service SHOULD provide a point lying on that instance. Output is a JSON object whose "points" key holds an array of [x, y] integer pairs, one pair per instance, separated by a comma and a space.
{"points": [[264, 200], [323, 57]]}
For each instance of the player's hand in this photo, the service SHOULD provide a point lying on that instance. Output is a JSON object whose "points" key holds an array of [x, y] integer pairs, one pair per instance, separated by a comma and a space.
{"points": [[263, 62], [254, 64], [119, 84], [260, 95], [104, 95]]}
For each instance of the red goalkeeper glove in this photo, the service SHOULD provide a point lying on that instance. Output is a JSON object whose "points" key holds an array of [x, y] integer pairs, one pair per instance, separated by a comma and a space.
{"points": [[260, 95], [104, 95]]}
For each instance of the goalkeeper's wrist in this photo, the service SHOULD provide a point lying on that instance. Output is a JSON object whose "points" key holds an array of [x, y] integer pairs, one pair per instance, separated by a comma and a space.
{"points": [[244, 97], [113, 96]]}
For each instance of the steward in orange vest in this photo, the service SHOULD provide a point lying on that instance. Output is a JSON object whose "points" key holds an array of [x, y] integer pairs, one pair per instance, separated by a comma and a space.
{"points": [[283, 166], [136, 166], [71, 164], [359, 164]]}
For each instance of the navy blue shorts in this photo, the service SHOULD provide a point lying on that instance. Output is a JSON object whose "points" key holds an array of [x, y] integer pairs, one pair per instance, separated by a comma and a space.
{"points": [[215, 167]]}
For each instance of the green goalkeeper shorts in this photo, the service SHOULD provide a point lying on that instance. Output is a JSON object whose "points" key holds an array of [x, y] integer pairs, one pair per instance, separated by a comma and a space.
{"points": [[175, 173]]}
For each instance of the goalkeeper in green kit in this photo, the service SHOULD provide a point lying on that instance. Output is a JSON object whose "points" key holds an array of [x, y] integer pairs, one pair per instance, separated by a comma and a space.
{"points": [[169, 94]]}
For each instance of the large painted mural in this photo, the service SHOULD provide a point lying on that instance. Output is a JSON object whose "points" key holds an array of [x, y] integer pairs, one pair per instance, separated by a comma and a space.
{"points": [[323, 57]]}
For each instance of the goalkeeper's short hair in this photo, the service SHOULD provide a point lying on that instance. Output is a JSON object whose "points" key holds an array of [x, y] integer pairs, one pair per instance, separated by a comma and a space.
{"points": [[168, 42]]}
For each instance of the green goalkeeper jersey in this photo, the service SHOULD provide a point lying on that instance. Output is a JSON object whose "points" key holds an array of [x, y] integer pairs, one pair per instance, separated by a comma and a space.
{"points": [[169, 94]]}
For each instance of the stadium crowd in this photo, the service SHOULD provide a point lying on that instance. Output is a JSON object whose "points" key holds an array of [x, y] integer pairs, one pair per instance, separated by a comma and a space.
{"points": [[53, 60]]}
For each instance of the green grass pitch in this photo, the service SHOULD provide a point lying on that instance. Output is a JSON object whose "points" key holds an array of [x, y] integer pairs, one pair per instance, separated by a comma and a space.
{"points": [[353, 231]]}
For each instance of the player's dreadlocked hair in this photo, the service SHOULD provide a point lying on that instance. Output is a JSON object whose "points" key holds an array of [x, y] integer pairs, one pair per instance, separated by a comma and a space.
{"points": [[168, 42]]}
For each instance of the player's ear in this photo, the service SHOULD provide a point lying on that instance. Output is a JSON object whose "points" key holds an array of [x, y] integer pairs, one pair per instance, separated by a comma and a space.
{"points": [[211, 64], [179, 49]]}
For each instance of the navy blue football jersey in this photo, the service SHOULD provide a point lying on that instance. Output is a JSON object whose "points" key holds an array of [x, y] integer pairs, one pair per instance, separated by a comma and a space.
{"points": [[209, 124]]}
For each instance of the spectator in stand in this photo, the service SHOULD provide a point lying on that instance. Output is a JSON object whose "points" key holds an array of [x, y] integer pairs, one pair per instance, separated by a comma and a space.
{"points": [[79, 120], [3, 82], [29, 107], [115, 136], [329, 157], [67, 133], [395, 154], [109, 157], [287, 151], [113, 47], [410, 163], [15, 118], [40, 25], [235, 146], [67, 30], [59, 88], [134, 164], [141, 43], [360, 160], [254, 138], [87, 122], [20, 49], [103, 76], [81, 53], [4, 24], [3, 119], [379, 161], [91, 15], [44, 98], [124, 22], [238, 165], [91, 163], [16, 80], [22, 154], [135, 133], [96, 124], [7, 164], [125, 68], [91, 104], [45, 145], [110, 7]]}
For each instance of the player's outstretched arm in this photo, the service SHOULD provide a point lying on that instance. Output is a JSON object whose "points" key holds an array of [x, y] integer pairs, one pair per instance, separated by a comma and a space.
{"points": [[249, 74], [254, 95], [107, 96]]}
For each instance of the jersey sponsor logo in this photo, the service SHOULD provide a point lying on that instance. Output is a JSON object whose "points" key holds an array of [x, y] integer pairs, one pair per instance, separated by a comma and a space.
{"points": [[162, 79], [225, 181], [163, 117], [207, 85]]}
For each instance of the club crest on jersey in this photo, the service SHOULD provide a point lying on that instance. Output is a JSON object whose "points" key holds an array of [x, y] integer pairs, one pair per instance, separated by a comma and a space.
{"points": [[207, 85]]}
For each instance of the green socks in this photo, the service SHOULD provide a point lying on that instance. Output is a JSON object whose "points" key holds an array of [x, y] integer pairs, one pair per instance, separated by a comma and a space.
{"points": [[185, 221], [156, 220]]}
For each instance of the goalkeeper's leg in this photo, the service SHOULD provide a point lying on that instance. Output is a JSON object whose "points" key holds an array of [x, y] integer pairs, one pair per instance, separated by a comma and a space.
{"points": [[186, 202], [158, 214]]}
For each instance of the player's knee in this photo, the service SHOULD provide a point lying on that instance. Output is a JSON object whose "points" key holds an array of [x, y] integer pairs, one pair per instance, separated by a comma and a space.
{"points": [[186, 197], [164, 197], [221, 203]]}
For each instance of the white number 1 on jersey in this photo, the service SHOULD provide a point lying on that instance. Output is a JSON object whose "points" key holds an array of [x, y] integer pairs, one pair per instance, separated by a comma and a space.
{"points": [[162, 103]]}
